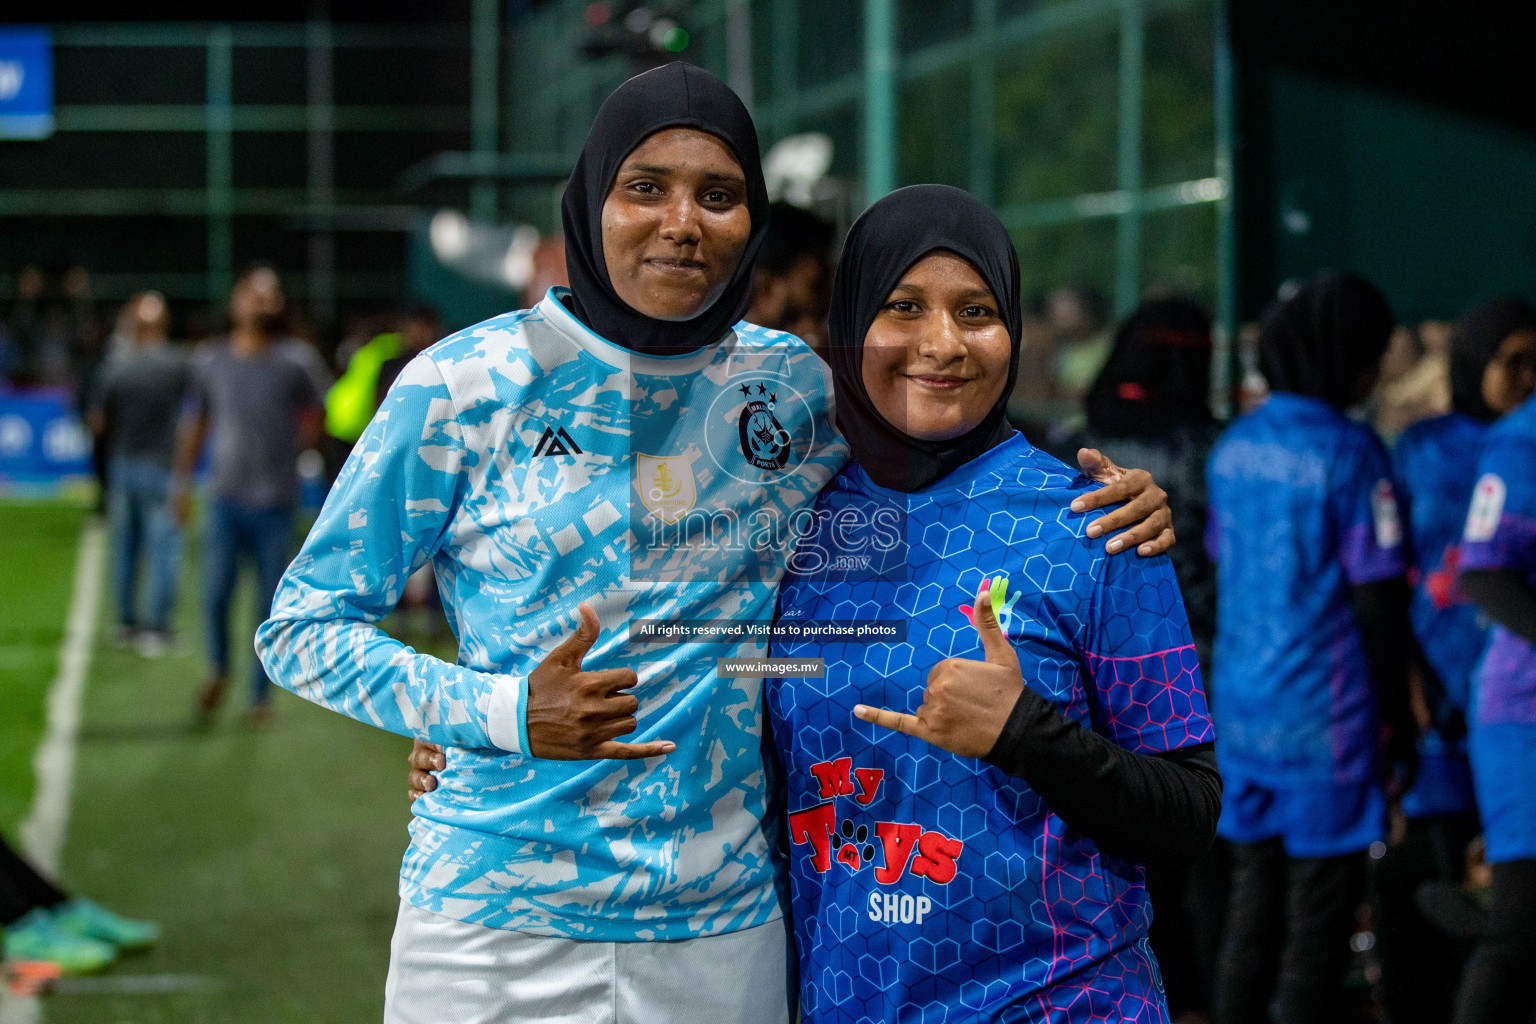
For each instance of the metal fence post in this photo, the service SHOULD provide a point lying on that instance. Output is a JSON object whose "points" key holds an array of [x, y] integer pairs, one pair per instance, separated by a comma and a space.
{"points": [[221, 162], [1128, 233], [983, 98], [321, 124], [879, 98], [483, 106]]}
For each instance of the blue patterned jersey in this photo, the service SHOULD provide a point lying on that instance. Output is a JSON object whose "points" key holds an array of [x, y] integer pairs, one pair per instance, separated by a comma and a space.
{"points": [[1501, 534], [932, 887], [1302, 507], [536, 465], [1436, 464]]}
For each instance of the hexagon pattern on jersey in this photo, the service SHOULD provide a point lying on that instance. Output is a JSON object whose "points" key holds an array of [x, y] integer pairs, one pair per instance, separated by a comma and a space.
{"points": [[931, 887]]}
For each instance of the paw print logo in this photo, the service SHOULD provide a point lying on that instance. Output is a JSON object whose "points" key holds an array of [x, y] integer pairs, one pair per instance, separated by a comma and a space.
{"points": [[855, 846], [1002, 604]]}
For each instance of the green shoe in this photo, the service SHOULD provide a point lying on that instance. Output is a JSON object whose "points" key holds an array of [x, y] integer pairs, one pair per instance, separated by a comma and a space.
{"points": [[85, 919], [37, 937]]}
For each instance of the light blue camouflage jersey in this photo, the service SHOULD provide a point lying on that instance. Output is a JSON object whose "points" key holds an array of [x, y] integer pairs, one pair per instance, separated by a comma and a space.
{"points": [[537, 465]]}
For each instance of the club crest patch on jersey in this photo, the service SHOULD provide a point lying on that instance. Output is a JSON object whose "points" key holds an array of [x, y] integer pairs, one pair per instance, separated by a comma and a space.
{"points": [[666, 485], [1389, 527], [1487, 508], [764, 441]]}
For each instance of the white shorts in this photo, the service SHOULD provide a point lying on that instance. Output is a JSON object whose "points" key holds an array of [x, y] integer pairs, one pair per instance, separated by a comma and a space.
{"points": [[443, 971]]}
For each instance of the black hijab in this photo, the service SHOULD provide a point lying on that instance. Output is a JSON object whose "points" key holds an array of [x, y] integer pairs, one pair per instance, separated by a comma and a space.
{"points": [[1475, 341], [892, 235], [1158, 375], [676, 96], [1323, 339]]}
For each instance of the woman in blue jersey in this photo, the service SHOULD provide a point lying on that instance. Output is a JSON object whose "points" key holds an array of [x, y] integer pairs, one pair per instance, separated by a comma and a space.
{"points": [[1498, 571], [976, 780], [1436, 466], [1311, 658]]}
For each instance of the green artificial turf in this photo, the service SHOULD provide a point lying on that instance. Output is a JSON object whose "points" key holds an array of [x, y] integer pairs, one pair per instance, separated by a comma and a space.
{"points": [[269, 856], [38, 542]]}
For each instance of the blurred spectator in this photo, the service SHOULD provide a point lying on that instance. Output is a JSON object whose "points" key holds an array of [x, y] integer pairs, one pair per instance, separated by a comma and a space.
{"points": [[26, 328], [1436, 463], [87, 353], [1151, 403], [352, 400], [1311, 660], [1034, 404], [42, 922], [792, 278], [136, 406], [370, 369], [1496, 563], [1150, 407], [261, 409], [548, 270], [1250, 389], [1415, 380], [264, 290], [420, 328], [1079, 319], [356, 333]]}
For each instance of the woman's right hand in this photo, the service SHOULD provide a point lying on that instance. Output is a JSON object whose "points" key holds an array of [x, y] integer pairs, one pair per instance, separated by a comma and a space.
{"points": [[577, 715], [425, 759]]}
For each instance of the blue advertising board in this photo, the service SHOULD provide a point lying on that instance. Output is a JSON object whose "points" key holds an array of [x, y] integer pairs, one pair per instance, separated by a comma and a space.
{"points": [[41, 440], [26, 83]]}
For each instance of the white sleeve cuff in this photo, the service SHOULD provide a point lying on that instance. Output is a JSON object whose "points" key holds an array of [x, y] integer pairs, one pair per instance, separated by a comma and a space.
{"points": [[506, 723]]}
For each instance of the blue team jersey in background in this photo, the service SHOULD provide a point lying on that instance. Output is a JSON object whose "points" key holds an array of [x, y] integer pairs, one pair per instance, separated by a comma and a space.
{"points": [[1436, 464], [1501, 534], [1302, 508], [932, 887]]}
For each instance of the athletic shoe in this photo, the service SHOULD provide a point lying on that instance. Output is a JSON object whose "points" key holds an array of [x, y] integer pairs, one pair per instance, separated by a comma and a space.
{"points": [[37, 937], [124, 637], [209, 698], [152, 643], [26, 979], [90, 920]]}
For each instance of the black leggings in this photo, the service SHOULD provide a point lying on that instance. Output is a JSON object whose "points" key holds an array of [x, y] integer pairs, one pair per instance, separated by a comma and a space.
{"points": [[1420, 964], [22, 890], [1287, 942], [1497, 985]]}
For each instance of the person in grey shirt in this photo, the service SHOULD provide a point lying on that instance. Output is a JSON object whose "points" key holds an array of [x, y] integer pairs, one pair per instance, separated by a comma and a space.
{"points": [[259, 408], [135, 405]]}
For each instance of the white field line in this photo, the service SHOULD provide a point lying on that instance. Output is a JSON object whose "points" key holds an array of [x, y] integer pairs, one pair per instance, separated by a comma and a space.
{"points": [[42, 833]]}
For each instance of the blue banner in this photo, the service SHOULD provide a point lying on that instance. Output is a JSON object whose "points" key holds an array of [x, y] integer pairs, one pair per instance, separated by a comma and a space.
{"points": [[26, 83], [41, 440]]}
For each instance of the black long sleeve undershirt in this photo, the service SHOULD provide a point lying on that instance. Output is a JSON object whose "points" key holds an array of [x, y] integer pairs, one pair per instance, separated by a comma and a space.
{"points": [[1505, 597], [1386, 634], [1160, 808]]}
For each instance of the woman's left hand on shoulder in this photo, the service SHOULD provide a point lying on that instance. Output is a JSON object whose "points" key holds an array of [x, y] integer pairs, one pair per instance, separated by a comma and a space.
{"points": [[1146, 509], [966, 702]]}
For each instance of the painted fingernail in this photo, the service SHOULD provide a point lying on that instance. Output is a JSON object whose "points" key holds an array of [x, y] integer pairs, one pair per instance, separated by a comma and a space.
{"points": [[1115, 546]]}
